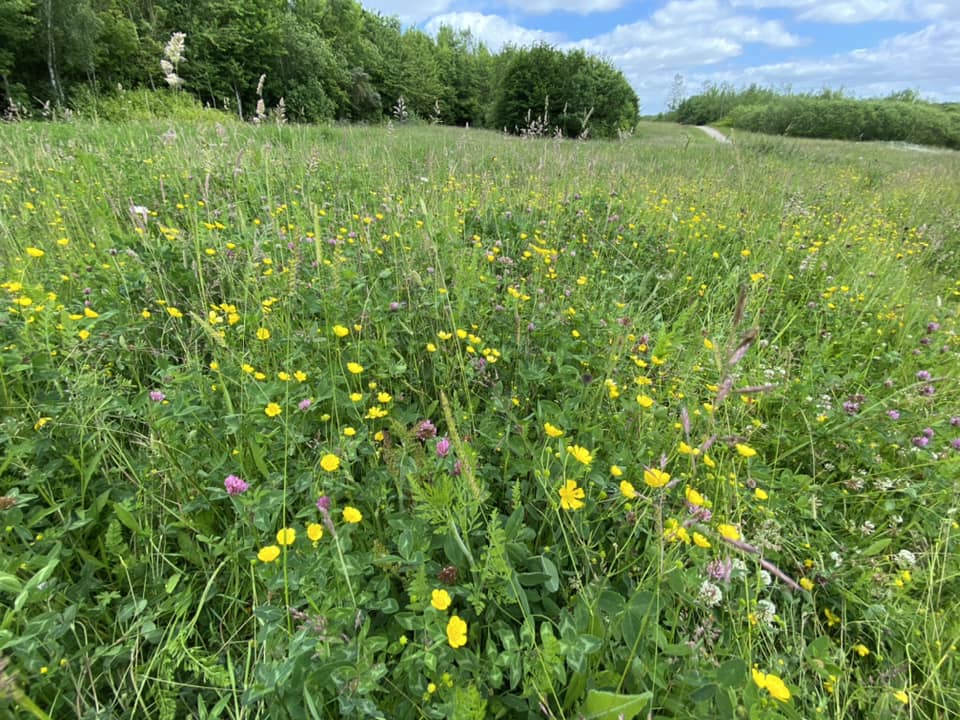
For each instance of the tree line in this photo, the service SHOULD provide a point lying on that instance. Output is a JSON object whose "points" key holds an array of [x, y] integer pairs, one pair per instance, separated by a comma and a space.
{"points": [[328, 60], [830, 114]]}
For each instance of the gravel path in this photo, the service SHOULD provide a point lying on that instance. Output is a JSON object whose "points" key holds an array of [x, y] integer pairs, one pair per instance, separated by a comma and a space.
{"points": [[714, 133]]}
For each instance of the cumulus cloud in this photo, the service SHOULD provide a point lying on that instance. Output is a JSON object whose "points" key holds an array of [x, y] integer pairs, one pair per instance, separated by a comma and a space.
{"points": [[580, 7], [859, 11], [408, 12], [493, 30]]}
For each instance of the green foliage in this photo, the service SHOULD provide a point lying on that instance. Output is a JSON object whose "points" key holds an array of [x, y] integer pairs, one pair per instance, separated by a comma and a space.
{"points": [[829, 114], [543, 89], [476, 354]]}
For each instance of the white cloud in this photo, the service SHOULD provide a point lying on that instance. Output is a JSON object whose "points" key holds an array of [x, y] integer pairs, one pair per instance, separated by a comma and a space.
{"points": [[923, 60], [493, 30], [408, 12], [580, 7], [859, 11]]}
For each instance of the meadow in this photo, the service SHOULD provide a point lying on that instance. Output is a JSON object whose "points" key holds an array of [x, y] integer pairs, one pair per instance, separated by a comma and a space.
{"points": [[425, 422]]}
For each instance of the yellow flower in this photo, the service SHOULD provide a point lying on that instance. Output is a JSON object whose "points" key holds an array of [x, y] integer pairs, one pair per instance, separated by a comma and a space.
{"points": [[356, 397], [902, 696], [861, 649], [655, 478], [456, 632], [300, 376], [616, 471], [707, 344], [571, 496], [440, 599], [708, 461], [330, 462], [90, 313], [580, 454], [284, 376], [384, 397], [84, 334], [286, 536], [314, 531], [832, 619], [349, 431], [375, 413], [431, 348], [444, 335], [627, 490], [694, 497], [340, 331], [700, 541], [745, 450], [728, 531], [645, 401], [263, 334], [352, 515], [35, 252], [772, 684], [806, 584], [673, 531], [272, 410], [38, 425], [355, 368], [268, 554], [552, 430], [760, 494]]}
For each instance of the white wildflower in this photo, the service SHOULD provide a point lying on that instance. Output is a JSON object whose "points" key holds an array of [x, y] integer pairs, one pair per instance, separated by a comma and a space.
{"points": [[709, 594]]}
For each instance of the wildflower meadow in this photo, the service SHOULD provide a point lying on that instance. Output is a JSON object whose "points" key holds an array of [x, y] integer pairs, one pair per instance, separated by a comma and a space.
{"points": [[425, 422]]}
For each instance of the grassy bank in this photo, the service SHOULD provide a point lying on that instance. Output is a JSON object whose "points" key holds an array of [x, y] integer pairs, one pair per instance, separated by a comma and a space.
{"points": [[425, 422]]}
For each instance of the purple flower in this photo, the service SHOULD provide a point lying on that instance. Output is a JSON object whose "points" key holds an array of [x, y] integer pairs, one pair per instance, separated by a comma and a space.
{"points": [[927, 433], [893, 414], [457, 468], [443, 446], [305, 404], [720, 569], [955, 444], [933, 327], [920, 441], [923, 375], [235, 486], [323, 503], [927, 390], [955, 421], [851, 407], [426, 430], [157, 396]]}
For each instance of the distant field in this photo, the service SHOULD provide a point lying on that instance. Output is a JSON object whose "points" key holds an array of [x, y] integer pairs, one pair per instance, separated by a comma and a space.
{"points": [[425, 422]]}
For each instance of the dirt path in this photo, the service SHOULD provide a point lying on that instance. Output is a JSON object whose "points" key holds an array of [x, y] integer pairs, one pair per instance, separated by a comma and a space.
{"points": [[714, 133]]}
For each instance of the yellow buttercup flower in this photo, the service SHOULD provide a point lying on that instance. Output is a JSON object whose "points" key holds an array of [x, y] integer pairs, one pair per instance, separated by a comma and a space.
{"points": [[340, 331], [745, 450], [772, 684], [272, 409], [728, 531], [268, 554], [456, 632], [616, 471], [552, 430], [314, 531], [627, 490], [352, 515], [571, 496], [263, 334], [580, 454], [440, 599], [645, 401], [355, 368], [286, 536], [330, 462], [655, 478]]}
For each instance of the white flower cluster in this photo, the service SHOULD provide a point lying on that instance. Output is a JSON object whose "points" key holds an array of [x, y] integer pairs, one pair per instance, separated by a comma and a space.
{"points": [[172, 56]]}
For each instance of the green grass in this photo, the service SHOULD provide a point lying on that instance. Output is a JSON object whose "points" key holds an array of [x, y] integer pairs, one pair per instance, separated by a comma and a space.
{"points": [[748, 319]]}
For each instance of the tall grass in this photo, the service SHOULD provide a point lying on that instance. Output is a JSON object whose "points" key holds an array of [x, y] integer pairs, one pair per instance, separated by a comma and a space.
{"points": [[422, 422]]}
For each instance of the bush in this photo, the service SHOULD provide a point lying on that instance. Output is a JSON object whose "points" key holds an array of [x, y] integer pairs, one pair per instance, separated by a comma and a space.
{"points": [[141, 105]]}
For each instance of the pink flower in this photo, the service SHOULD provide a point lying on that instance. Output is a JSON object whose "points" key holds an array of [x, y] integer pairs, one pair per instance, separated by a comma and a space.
{"points": [[443, 447], [235, 486]]}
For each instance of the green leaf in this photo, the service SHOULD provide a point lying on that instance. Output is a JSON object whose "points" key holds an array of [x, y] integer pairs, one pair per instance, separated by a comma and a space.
{"points": [[10, 583], [602, 705], [126, 518]]}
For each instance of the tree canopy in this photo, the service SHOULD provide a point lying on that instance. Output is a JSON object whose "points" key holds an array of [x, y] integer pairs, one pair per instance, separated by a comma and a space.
{"points": [[328, 60]]}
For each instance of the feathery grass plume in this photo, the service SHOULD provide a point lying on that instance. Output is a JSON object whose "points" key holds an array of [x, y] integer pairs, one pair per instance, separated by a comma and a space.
{"points": [[172, 57], [261, 111], [400, 110]]}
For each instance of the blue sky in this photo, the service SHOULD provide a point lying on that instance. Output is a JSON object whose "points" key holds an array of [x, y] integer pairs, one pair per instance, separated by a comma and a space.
{"points": [[866, 47]]}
